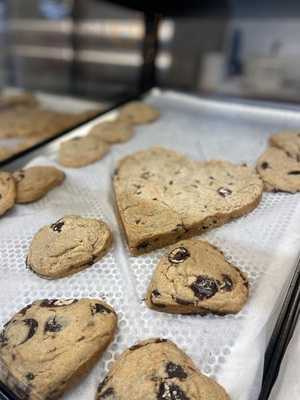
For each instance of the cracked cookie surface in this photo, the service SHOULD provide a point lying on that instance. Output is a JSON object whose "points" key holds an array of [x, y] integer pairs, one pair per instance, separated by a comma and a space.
{"points": [[35, 182], [7, 192], [81, 151], [279, 172], [137, 113], [156, 369], [163, 196], [116, 131], [49, 344], [287, 141], [194, 278], [68, 246]]}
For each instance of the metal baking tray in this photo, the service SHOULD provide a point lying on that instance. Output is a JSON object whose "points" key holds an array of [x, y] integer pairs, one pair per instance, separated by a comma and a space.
{"points": [[265, 243], [58, 103]]}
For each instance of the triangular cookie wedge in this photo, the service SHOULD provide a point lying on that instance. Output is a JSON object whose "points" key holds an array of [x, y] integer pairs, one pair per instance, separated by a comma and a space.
{"points": [[194, 278], [157, 369], [49, 344], [162, 196]]}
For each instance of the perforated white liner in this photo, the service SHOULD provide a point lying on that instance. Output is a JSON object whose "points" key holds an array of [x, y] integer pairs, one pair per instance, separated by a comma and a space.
{"points": [[264, 244]]}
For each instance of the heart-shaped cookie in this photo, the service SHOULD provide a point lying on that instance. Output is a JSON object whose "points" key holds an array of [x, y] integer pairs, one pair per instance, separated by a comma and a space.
{"points": [[157, 369], [194, 278], [49, 344], [163, 196]]}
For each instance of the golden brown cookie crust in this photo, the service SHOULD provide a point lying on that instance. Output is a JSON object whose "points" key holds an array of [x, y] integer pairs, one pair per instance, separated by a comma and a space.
{"points": [[47, 346], [193, 277], [137, 113], [7, 192], [81, 151], [279, 172], [162, 196], [35, 182], [157, 369], [116, 131], [69, 245]]}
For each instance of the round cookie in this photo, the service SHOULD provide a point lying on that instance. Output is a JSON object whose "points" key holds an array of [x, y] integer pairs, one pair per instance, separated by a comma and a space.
{"points": [[113, 131], [194, 278], [7, 192], [287, 141], [81, 151], [50, 344], [137, 113], [69, 245], [35, 182], [157, 369], [279, 172]]}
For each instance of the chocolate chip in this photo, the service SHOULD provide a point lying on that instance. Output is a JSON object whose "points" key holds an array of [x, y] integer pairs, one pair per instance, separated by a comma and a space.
{"points": [[183, 302], [137, 221], [211, 177], [108, 394], [170, 392], [264, 165], [171, 182], [99, 308], [102, 384], [116, 172], [158, 305], [178, 255], [224, 192], [145, 175], [135, 347], [155, 293], [204, 287], [57, 226], [139, 345], [294, 173], [227, 284], [175, 371], [19, 175], [33, 325], [3, 339], [57, 302], [160, 340], [29, 376], [23, 311], [52, 325], [142, 245], [81, 339]]}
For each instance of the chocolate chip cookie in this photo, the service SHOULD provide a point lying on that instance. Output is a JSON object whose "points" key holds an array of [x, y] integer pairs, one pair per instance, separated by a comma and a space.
{"points": [[116, 131], [137, 113], [194, 278], [7, 192], [68, 246], [81, 151], [287, 141], [35, 182], [47, 346], [279, 172], [156, 369], [162, 196]]}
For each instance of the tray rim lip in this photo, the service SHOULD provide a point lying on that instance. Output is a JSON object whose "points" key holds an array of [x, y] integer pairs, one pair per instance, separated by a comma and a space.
{"points": [[292, 295]]}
